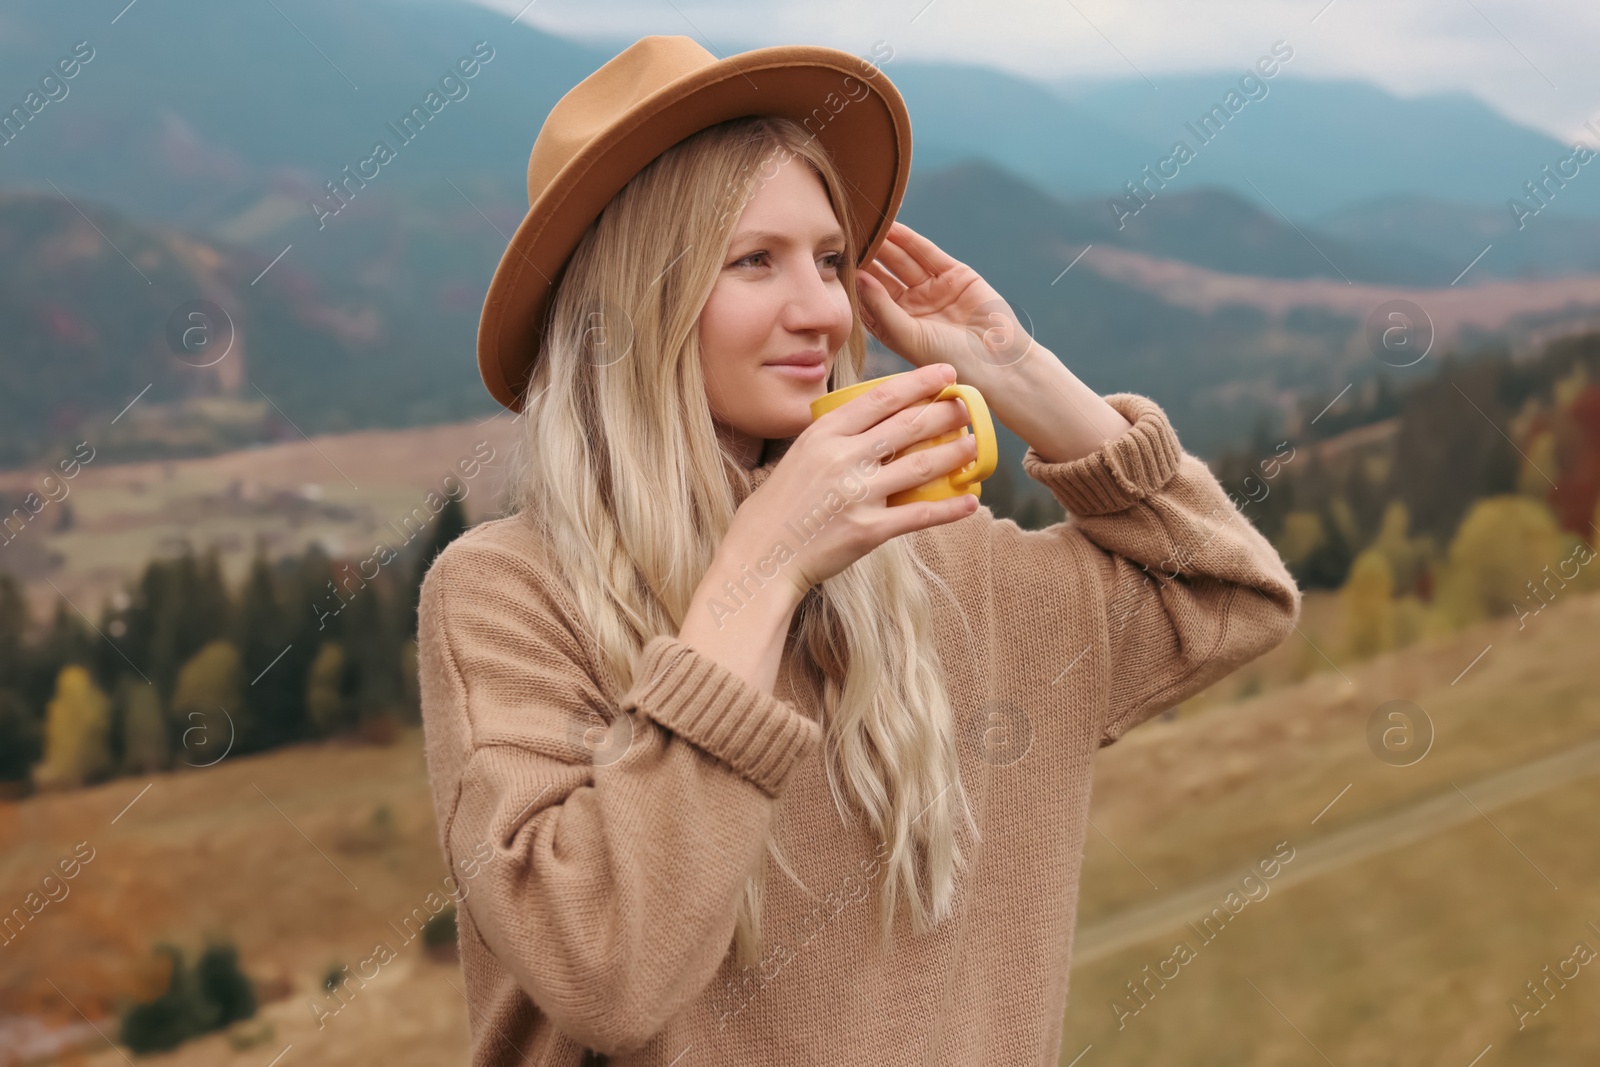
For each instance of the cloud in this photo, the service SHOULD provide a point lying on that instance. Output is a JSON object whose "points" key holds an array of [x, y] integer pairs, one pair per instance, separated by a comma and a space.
{"points": [[1529, 62]]}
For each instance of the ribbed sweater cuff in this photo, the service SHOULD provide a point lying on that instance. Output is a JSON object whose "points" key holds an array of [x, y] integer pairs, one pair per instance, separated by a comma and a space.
{"points": [[700, 700], [1123, 471]]}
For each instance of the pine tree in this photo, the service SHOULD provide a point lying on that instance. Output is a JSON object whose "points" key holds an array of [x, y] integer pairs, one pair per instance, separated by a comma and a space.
{"points": [[162, 630], [220, 982], [311, 613], [68, 641], [450, 524], [19, 737], [20, 729], [277, 655], [145, 746], [196, 1000], [190, 602], [14, 626], [210, 604], [167, 625], [372, 651], [109, 657], [1450, 455], [165, 1022], [127, 629], [1329, 562]]}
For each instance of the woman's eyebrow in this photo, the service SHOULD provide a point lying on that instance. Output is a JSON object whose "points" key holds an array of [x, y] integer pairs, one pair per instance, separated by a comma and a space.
{"points": [[769, 237]]}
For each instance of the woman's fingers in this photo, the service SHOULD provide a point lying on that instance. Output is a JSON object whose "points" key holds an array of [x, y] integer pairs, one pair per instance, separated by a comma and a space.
{"points": [[905, 267], [892, 290], [883, 401], [932, 258], [930, 420], [923, 466], [920, 514]]}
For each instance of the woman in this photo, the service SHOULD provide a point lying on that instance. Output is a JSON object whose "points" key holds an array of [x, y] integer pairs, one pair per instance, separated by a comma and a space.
{"points": [[700, 640]]}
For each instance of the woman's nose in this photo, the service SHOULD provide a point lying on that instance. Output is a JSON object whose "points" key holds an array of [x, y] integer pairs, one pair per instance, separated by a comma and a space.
{"points": [[814, 303]]}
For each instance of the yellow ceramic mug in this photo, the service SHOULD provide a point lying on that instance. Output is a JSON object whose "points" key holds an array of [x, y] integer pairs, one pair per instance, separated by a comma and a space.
{"points": [[966, 479]]}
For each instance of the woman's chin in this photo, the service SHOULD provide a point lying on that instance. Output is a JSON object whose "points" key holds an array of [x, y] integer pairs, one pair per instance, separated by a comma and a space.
{"points": [[785, 413], [794, 429], [789, 424]]}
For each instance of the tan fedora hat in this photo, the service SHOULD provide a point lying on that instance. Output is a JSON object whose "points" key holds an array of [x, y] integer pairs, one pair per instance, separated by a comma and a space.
{"points": [[655, 93]]}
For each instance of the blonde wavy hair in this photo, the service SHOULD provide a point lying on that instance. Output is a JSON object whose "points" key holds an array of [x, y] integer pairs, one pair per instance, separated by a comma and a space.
{"points": [[617, 421]]}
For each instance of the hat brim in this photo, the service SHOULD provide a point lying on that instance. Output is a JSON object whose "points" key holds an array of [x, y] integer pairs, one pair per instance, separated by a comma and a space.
{"points": [[868, 137]]}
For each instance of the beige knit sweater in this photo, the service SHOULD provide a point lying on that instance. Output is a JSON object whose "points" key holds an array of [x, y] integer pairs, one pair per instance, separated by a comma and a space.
{"points": [[597, 881]]}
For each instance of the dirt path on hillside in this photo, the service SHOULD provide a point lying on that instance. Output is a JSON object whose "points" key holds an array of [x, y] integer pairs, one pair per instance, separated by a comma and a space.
{"points": [[1420, 820]]}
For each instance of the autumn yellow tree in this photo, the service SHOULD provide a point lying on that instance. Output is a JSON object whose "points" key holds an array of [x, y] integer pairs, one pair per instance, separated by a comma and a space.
{"points": [[1369, 611], [77, 732], [1410, 558], [1503, 560], [1539, 457], [326, 704], [1301, 534], [208, 703]]}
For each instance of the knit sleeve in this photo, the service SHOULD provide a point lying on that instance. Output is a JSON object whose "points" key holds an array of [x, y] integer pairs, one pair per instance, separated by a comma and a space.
{"points": [[1185, 588], [615, 837]]}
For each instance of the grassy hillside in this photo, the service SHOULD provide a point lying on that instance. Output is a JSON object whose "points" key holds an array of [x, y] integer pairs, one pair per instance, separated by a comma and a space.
{"points": [[345, 491], [287, 854], [1399, 951], [1406, 951]]}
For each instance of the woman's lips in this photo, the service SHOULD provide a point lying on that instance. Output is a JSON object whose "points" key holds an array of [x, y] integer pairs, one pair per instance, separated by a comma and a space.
{"points": [[801, 372]]}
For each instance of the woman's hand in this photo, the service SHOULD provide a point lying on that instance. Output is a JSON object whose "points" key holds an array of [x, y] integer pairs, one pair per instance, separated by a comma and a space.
{"points": [[838, 463], [934, 308]]}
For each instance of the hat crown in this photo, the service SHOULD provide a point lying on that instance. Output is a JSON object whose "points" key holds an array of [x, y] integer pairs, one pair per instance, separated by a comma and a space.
{"points": [[654, 94], [591, 107]]}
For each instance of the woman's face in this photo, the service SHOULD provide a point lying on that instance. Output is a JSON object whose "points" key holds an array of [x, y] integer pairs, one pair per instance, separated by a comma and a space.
{"points": [[780, 294]]}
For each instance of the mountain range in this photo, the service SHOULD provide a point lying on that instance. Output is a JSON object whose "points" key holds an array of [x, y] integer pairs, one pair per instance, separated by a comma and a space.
{"points": [[186, 161]]}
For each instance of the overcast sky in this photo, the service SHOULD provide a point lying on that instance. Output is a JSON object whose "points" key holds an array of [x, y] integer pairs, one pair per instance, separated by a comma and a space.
{"points": [[1532, 61]]}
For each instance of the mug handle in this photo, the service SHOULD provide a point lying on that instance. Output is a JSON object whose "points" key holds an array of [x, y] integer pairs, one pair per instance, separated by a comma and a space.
{"points": [[988, 455]]}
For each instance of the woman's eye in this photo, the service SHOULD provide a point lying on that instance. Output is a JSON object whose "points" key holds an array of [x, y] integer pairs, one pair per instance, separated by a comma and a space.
{"points": [[833, 260]]}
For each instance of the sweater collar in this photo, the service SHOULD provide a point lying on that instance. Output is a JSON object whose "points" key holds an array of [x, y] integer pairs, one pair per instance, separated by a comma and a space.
{"points": [[755, 476]]}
